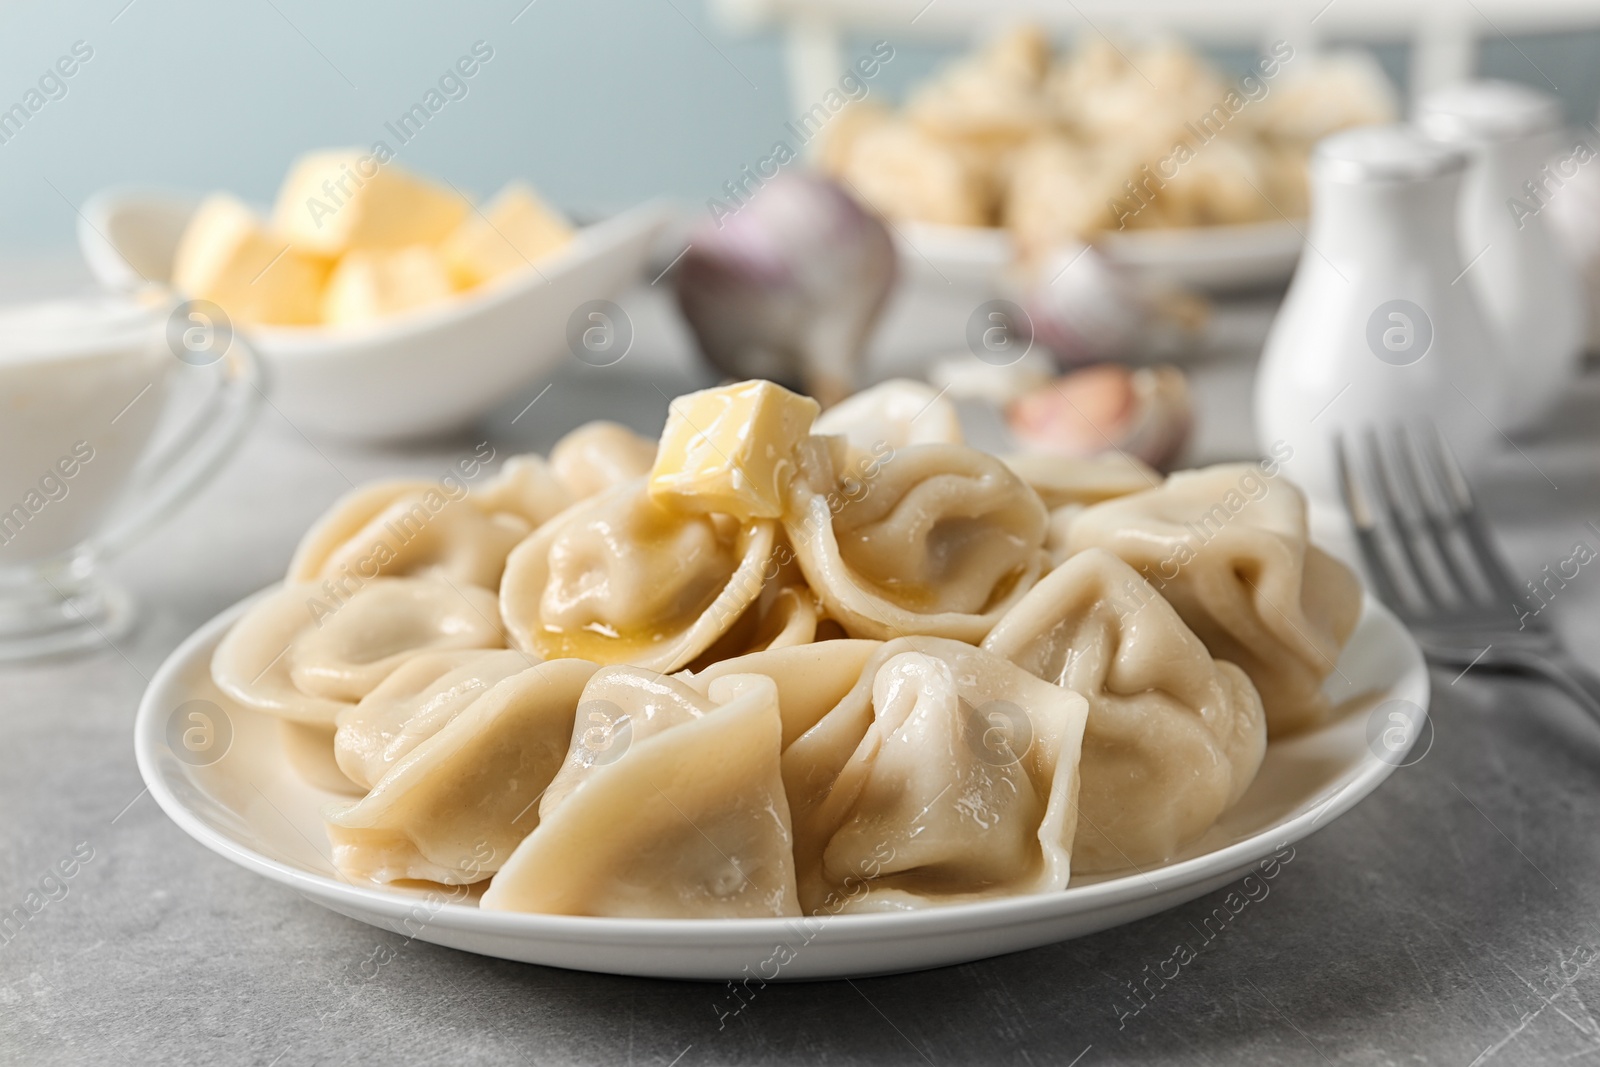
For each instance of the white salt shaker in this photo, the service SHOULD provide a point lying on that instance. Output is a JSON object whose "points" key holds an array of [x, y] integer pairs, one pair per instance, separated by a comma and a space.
{"points": [[1372, 333], [1527, 287]]}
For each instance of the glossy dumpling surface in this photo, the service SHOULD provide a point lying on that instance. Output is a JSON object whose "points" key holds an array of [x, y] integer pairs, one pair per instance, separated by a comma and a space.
{"points": [[454, 808], [1174, 737], [688, 821], [939, 540], [1227, 547], [620, 579], [299, 654], [895, 413], [946, 774]]}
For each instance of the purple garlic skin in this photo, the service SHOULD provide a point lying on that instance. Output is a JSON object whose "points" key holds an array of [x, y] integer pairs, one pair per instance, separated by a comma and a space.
{"points": [[789, 286]]}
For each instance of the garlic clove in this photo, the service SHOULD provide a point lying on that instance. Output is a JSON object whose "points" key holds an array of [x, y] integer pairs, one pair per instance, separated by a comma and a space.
{"points": [[1144, 413]]}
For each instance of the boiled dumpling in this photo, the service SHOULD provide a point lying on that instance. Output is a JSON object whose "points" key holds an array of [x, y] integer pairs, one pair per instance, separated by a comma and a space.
{"points": [[598, 456], [414, 703], [1062, 480], [620, 579], [941, 540], [1227, 546], [781, 617], [1174, 737], [892, 415], [689, 820], [302, 656], [398, 529], [454, 808], [811, 678], [946, 774], [525, 487]]}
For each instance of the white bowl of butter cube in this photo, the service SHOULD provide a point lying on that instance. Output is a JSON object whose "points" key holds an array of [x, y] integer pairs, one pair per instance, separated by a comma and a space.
{"points": [[383, 306]]}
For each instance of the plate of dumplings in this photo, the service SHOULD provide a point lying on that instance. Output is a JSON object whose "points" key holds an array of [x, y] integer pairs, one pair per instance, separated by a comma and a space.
{"points": [[783, 695]]}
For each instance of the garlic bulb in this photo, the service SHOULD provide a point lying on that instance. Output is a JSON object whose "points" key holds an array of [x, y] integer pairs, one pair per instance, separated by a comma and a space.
{"points": [[1144, 414], [789, 286], [1087, 309]]}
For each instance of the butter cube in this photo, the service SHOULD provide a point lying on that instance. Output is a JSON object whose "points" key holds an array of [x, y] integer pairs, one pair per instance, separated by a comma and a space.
{"points": [[336, 201], [369, 285], [515, 229], [227, 256], [731, 449]]}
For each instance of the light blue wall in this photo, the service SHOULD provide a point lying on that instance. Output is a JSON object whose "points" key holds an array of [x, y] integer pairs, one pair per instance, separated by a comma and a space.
{"points": [[599, 102]]}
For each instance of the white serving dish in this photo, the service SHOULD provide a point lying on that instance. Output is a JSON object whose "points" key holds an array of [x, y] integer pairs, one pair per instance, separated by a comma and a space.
{"points": [[1205, 258], [253, 808], [416, 374]]}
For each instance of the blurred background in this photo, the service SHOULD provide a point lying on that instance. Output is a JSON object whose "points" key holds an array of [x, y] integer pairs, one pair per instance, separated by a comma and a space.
{"points": [[599, 104]]}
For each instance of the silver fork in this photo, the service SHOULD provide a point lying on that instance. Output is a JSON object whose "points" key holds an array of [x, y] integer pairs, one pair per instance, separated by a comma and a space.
{"points": [[1430, 559]]}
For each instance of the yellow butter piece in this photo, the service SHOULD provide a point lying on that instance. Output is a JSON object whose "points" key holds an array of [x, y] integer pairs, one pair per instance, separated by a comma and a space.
{"points": [[227, 256], [731, 449], [336, 201], [515, 229], [368, 285]]}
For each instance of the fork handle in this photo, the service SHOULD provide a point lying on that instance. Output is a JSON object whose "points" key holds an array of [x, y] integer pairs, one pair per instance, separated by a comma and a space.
{"points": [[1562, 671]]}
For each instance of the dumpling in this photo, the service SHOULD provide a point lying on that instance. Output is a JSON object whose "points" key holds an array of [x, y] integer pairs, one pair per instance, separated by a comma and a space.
{"points": [[1227, 546], [398, 529], [780, 618], [895, 414], [525, 487], [620, 579], [937, 539], [811, 678], [1062, 480], [297, 655], [455, 807], [689, 820], [946, 774], [1174, 737], [598, 456], [414, 703]]}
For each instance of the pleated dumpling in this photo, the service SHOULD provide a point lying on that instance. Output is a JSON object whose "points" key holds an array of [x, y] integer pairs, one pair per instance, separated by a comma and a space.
{"points": [[1174, 737], [598, 456], [453, 809], [681, 814], [1228, 547], [895, 413], [414, 703], [620, 579], [811, 678], [400, 529], [946, 774], [299, 654], [1061, 480], [935, 539], [526, 487]]}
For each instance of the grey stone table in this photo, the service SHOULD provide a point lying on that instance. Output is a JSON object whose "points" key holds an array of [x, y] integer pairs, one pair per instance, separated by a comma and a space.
{"points": [[1453, 917]]}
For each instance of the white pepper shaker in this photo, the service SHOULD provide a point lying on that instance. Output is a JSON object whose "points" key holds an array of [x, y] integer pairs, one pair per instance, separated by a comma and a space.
{"points": [[1527, 287], [1372, 333]]}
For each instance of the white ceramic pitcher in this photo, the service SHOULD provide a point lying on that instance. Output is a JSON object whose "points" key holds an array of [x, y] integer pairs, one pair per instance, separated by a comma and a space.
{"points": [[1525, 284], [1373, 331]]}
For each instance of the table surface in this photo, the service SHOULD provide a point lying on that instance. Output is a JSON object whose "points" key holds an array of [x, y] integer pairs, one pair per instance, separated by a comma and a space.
{"points": [[1453, 917]]}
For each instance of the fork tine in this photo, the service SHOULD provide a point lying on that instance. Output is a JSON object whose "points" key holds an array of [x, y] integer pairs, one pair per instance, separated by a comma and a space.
{"points": [[1486, 557], [1358, 504], [1401, 526], [1438, 517]]}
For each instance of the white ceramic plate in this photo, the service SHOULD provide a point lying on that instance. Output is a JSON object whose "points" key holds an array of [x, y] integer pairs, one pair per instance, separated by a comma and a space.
{"points": [[413, 375], [1206, 258], [253, 807]]}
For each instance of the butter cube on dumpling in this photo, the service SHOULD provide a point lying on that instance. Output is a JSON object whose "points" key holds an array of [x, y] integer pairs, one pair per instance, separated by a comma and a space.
{"points": [[229, 257], [336, 201], [671, 805], [453, 809], [371, 285], [514, 230]]}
